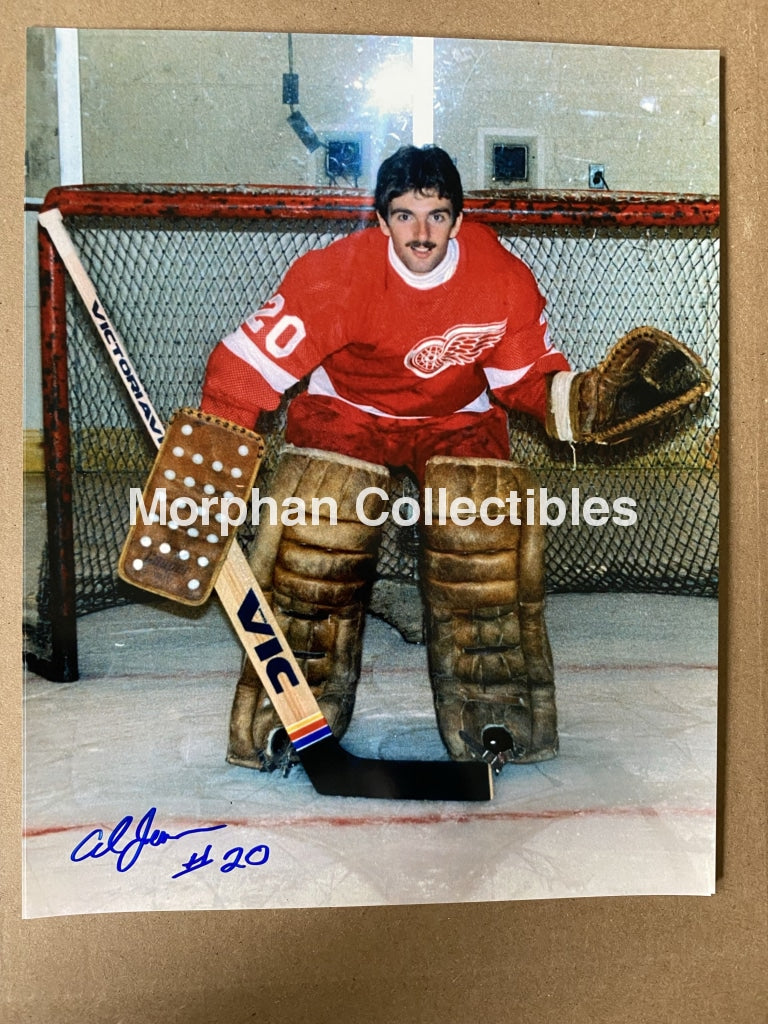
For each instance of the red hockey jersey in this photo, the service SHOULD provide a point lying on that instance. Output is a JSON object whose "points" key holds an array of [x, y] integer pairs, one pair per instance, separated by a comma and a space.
{"points": [[345, 318]]}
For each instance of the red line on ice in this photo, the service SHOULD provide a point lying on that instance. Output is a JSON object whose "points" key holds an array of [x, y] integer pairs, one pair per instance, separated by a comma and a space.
{"points": [[346, 821]]}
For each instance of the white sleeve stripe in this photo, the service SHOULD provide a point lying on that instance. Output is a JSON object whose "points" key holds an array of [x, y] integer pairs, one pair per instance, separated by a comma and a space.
{"points": [[503, 378], [547, 340], [242, 346]]}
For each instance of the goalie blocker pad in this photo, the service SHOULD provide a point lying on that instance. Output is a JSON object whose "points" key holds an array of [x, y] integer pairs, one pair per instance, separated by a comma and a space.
{"points": [[203, 465]]}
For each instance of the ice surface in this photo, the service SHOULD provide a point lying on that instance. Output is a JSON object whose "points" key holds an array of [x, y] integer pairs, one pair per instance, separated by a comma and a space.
{"points": [[627, 808]]}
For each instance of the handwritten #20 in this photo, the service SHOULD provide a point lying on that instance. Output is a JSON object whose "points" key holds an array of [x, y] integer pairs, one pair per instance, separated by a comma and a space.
{"points": [[126, 846]]}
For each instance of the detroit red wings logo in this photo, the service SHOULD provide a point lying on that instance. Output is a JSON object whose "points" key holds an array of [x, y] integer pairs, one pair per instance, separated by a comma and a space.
{"points": [[457, 347]]}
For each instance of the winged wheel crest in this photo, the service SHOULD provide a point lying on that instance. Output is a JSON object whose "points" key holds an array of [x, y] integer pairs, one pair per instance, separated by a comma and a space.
{"points": [[457, 347]]}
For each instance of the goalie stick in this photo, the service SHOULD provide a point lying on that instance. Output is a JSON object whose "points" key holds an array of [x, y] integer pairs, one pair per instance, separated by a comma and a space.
{"points": [[332, 770]]}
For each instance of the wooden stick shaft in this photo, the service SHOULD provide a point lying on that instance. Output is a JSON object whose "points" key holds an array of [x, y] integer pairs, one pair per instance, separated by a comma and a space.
{"points": [[288, 690], [53, 223]]}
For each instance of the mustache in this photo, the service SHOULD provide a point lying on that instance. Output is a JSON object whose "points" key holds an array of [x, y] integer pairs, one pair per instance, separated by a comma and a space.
{"points": [[420, 245]]}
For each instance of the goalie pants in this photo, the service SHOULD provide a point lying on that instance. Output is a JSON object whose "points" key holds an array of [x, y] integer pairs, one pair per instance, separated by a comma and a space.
{"points": [[315, 421]]}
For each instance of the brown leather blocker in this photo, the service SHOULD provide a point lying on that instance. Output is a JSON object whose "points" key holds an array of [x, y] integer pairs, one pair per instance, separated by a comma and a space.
{"points": [[195, 495]]}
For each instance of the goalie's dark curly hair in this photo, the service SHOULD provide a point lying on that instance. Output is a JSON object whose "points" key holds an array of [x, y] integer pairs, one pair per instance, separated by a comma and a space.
{"points": [[414, 169]]}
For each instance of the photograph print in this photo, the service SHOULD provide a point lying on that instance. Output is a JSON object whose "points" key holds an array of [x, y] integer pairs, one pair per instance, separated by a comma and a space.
{"points": [[371, 471]]}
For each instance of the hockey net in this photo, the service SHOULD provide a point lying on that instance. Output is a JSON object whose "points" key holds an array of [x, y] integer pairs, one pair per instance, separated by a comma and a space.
{"points": [[179, 267]]}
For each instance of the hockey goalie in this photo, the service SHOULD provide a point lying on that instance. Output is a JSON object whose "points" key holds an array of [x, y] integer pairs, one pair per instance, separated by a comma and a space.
{"points": [[414, 338]]}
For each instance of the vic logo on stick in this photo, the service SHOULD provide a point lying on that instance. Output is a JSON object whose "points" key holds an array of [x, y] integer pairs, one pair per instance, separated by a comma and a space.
{"points": [[269, 651]]}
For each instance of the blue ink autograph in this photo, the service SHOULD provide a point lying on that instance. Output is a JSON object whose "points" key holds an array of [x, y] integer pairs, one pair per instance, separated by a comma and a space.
{"points": [[234, 858], [126, 843]]}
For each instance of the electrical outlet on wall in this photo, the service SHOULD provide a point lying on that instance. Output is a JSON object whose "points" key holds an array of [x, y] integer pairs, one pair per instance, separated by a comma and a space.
{"points": [[597, 176]]}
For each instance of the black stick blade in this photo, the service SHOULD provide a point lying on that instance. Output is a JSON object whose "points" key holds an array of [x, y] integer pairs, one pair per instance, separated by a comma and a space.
{"points": [[333, 771]]}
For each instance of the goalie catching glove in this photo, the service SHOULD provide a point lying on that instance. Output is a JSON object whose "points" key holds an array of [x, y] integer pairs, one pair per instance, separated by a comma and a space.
{"points": [[646, 377]]}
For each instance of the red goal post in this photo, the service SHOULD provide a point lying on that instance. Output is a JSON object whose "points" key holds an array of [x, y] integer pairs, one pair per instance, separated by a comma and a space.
{"points": [[177, 267]]}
